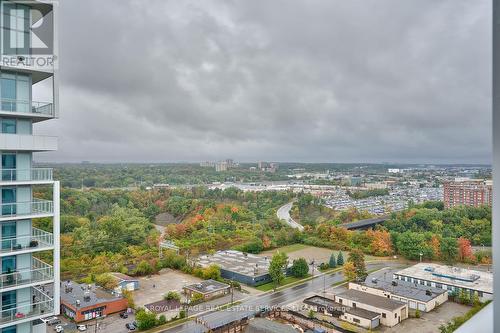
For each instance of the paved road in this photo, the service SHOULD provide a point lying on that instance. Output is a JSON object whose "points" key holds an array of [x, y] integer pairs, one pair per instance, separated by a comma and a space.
{"points": [[255, 304], [284, 214]]}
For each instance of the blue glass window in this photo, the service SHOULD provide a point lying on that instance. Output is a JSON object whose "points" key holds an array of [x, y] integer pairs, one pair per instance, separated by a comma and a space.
{"points": [[11, 329], [9, 166], [8, 201], [9, 126], [9, 232], [8, 265]]}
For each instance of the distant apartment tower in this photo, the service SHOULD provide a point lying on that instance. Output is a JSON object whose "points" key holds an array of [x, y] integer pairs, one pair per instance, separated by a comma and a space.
{"points": [[467, 192], [207, 164], [221, 166], [29, 287]]}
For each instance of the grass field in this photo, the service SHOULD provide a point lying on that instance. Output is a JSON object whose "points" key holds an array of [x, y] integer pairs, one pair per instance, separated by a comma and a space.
{"points": [[286, 281], [310, 253]]}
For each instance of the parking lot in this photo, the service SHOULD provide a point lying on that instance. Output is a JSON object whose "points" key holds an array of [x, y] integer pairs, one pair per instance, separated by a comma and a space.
{"points": [[152, 289], [109, 324]]}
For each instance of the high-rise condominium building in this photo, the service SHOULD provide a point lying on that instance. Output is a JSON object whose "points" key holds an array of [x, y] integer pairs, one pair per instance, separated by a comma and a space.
{"points": [[467, 192], [29, 281]]}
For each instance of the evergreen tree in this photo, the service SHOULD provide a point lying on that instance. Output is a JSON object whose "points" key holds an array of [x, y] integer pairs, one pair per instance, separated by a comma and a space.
{"points": [[332, 263], [340, 259]]}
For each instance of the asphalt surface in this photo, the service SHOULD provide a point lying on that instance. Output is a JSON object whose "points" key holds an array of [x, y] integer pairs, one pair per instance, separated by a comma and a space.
{"points": [[284, 214], [255, 304]]}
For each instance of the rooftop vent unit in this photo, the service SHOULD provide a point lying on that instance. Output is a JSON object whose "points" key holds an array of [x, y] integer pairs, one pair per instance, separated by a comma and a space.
{"points": [[374, 280], [86, 296], [394, 283], [428, 292], [77, 302]]}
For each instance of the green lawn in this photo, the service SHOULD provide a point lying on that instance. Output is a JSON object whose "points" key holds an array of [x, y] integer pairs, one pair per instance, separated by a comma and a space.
{"points": [[292, 248], [286, 281]]}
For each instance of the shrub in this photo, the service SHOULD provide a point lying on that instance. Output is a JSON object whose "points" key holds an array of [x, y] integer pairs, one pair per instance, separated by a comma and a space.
{"points": [[196, 298], [162, 320], [144, 268], [145, 319], [106, 281], [172, 295]]}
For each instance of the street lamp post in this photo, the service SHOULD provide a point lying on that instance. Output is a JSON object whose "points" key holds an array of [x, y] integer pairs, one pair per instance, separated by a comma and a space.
{"points": [[421, 254]]}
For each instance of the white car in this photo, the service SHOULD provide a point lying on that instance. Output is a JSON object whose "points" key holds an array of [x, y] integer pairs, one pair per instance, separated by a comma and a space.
{"points": [[82, 328], [59, 329]]}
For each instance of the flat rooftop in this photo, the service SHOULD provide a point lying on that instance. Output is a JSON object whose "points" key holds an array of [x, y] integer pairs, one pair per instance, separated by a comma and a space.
{"points": [[87, 295], [405, 289], [238, 262], [261, 325], [369, 299], [207, 286], [332, 305], [456, 276]]}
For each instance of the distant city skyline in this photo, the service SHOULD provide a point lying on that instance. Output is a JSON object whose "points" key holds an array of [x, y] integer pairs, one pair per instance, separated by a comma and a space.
{"points": [[355, 81]]}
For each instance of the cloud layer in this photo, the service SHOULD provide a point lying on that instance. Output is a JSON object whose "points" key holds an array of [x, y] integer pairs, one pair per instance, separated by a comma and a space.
{"points": [[304, 80]]}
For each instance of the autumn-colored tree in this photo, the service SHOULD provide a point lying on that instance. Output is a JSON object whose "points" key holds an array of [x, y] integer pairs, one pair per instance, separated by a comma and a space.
{"points": [[349, 271], [464, 249], [266, 242], [381, 244], [339, 234], [435, 246]]}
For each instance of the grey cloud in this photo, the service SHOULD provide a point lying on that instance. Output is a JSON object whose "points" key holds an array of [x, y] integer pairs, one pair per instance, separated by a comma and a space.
{"points": [[329, 81]]}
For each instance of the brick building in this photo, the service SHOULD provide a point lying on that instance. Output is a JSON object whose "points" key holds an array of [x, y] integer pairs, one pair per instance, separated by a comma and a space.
{"points": [[82, 302], [468, 192]]}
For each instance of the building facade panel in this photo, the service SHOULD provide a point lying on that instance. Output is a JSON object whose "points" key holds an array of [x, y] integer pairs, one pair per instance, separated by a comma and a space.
{"points": [[29, 287]]}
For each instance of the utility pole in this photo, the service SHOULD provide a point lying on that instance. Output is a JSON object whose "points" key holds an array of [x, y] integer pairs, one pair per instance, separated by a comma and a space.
{"points": [[324, 284]]}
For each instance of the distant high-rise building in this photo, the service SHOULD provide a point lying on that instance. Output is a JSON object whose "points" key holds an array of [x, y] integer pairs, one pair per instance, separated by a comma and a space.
{"points": [[467, 192], [221, 166], [230, 163], [29, 287], [207, 164]]}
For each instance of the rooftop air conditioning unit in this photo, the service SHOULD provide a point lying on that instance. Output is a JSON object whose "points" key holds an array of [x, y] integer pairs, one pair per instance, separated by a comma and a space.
{"points": [[394, 283]]}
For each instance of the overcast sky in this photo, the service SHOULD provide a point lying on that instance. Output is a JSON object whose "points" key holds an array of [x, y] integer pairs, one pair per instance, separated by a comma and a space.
{"points": [[280, 80]]}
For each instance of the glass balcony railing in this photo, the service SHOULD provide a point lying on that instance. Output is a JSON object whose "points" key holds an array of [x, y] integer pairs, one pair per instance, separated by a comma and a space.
{"points": [[40, 108], [39, 272], [38, 239], [36, 207], [37, 174], [39, 306]]}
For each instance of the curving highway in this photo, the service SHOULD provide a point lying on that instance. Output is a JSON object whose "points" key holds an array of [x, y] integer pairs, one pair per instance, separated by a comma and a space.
{"points": [[283, 213]]}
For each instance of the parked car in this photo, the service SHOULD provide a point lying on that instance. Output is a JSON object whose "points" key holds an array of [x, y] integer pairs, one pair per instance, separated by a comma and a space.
{"points": [[124, 315], [130, 326], [82, 328], [59, 329], [51, 321]]}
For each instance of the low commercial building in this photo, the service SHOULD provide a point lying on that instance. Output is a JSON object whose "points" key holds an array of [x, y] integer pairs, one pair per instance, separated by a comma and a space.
{"points": [[416, 296], [82, 302], [209, 289], [391, 312], [355, 315], [238, 266], [449, 278], [125, 282]]}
